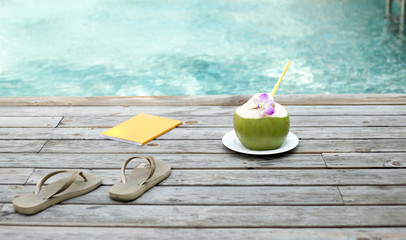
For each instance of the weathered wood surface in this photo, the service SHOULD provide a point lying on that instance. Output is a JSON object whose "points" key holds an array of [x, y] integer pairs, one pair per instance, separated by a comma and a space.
{"points": [[210, 216], [33, 232], [29, 122], [383, 195], [226, 121], [348, 172], [363, 160], [280, 177], [209, 161], [204, 133], [178, 161], [215, 100], [203, 195], [215, 146], [18, 146], [15, 175]]}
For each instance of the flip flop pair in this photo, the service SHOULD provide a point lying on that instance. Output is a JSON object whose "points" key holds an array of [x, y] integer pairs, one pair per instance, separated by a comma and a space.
{"points": [[143, 177]]}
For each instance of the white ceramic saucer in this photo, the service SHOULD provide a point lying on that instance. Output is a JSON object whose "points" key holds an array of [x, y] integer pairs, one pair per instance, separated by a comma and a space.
{"points": [[231, 141]]}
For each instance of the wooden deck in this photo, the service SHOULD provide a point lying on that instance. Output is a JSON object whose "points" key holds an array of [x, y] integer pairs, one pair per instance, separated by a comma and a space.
{"points": [[345, 180]]}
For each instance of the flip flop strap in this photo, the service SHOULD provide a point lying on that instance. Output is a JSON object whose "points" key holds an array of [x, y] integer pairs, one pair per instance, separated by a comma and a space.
{"points": [[69, 182], [151, 161]]}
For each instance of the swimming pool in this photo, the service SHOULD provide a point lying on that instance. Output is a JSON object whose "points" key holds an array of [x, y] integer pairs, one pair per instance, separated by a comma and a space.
{"points": [[197, 47]]}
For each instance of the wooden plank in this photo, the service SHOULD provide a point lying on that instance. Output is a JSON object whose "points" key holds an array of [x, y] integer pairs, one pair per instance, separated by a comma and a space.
{"points": [[108, 122], [177, 161], [50, 133], [98, 111], [45, 111], [202, 100], [216, 146], [34, 232], [156, 146], [204, 133], [201, 195], [365, 160], [349, 132], [198, 100], [10, 192], [28, 122], [361, 146], [296, 177], [348, 121], [382, 195], [227, 121], [210, 216], [15, 175], [22, 146]]}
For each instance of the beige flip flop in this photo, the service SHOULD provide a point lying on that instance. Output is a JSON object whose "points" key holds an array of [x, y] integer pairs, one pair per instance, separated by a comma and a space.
{"points": [[143, 177], [56, 192]]}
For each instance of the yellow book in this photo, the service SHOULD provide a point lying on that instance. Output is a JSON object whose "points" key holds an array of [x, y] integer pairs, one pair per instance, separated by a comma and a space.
{"points": [[141, 129]]}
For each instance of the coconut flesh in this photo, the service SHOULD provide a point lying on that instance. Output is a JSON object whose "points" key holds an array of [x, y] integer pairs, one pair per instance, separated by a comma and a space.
{"points": [[261, 133]]}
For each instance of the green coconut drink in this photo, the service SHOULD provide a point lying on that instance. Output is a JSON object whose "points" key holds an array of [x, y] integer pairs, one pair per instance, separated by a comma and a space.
{"points": [[261, 123], [258, 132]]}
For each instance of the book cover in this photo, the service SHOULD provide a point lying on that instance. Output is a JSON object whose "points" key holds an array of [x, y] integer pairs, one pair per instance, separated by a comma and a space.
{"points": [[141, 128]]}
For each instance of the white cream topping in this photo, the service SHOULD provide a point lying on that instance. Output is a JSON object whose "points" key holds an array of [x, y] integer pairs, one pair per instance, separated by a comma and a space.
{"points": [[250, 110]]}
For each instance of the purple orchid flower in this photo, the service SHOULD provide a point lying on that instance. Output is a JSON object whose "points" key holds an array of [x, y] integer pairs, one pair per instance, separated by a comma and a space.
{"points": [[264, 104]]}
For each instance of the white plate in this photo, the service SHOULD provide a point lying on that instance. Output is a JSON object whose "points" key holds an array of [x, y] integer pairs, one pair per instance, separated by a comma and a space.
{"points": [[231, 141]]}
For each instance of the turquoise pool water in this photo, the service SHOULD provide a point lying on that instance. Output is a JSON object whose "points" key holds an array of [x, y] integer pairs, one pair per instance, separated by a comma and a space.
{"points": [[191, 47]]}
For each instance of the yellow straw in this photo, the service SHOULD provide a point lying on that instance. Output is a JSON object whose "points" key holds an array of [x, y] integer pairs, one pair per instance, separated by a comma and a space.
{"points": [[280, 80]]}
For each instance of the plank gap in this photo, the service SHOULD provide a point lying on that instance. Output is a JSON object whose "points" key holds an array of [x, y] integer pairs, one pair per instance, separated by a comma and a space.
{"points": [[59, 123]]}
